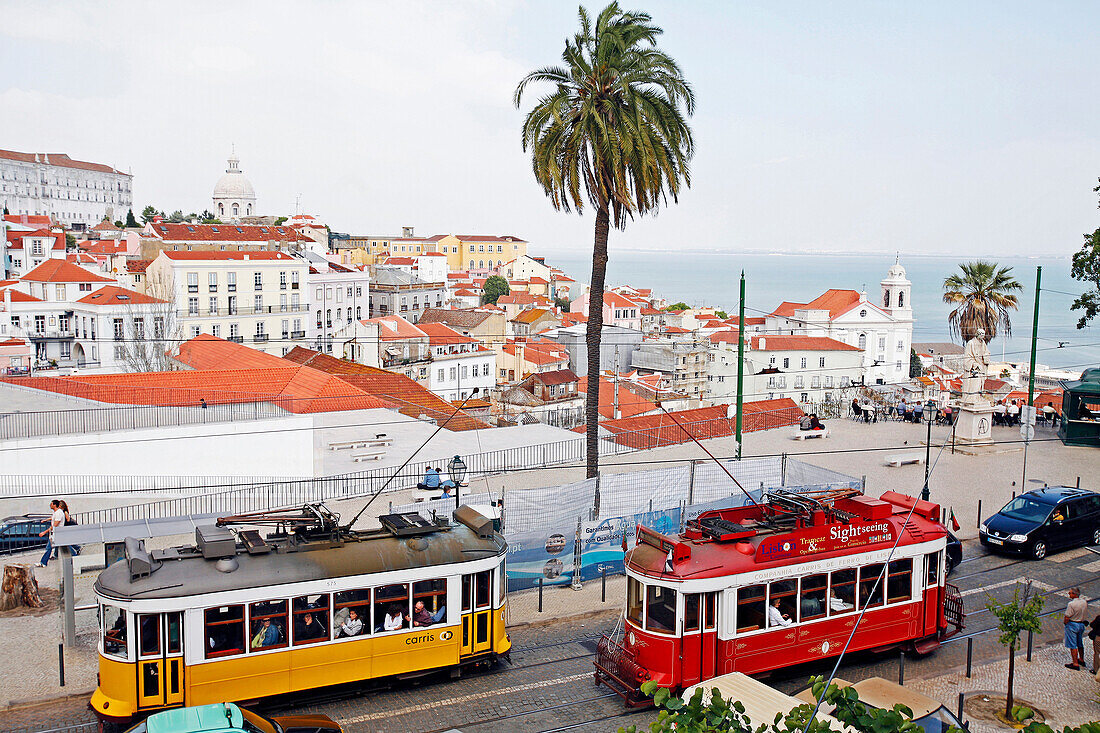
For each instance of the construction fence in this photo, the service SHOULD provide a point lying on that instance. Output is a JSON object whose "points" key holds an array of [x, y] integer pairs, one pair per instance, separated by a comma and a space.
{"points": [[569, 538]]}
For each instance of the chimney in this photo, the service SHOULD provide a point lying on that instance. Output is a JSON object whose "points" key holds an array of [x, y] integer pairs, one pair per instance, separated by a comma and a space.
{"points": [[246, 255]]}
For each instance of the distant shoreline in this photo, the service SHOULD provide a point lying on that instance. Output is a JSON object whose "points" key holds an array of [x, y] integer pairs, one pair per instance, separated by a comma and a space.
{"points": [[811, 253]]}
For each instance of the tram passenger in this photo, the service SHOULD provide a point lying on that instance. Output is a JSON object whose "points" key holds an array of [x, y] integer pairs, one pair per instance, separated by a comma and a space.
{"points": [[423, 617], [838, 604], [267, 635], [777, 617], [308, 627], [393, 619], [352, 625]]}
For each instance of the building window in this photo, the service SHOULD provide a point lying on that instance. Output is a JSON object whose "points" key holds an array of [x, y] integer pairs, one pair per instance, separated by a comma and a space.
{"points": [[216, 330], [286, 328], [294, 280], [863, 341], [821, 362], [231, 281], [259, 303], [232, 305], [828, 382], [798, 382], [786, 363], [192, 282], [257, 281], [212, 281], [214, 306], [881, 343], [234, 330], [192, 306], [815, 382], [441, 375], [282, 280], [803, 362]]}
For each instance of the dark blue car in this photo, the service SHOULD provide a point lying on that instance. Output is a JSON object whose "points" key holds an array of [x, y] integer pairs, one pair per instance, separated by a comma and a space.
{"points": [[18, 534], [1044, 520]]}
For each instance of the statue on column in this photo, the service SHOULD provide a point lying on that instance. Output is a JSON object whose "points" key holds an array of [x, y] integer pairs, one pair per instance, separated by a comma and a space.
{"points": [[975, 368]]}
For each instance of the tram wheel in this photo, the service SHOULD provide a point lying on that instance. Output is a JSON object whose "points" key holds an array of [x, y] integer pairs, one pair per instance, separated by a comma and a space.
{"points": [[1039, 551]]}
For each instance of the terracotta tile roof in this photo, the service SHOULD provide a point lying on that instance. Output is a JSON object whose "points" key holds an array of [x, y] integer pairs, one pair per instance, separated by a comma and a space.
{"points": [[465, 292], [395, 328], [39, 220], [80, 257], [650, 312], [58, 159], [226, 233], [520, 298], [615, 300], [442, 335], [800, 343], [572, 319], [411, 398], [210, 352], [228, 255], [18, 296], [15, 239], [755, 321], [137, 265], [630, 403], [560, 376], [724, 337], [837, 302], [114, 295], [674, 329], [104, 246], [14, 342], [105, 226], [531, 315], [458, 318], [399, 261], [63, 271], [483, 238]]}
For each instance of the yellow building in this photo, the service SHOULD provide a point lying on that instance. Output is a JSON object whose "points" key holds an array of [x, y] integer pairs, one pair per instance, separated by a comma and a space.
{"points": [[477, 251]]}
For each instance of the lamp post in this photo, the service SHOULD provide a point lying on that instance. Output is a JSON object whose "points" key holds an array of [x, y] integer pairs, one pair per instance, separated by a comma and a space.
{"points": [[930, 412], [456, 470]]}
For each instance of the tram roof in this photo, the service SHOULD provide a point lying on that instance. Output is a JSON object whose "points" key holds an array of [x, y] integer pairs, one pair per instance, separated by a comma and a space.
{"points": [[874, 525], [192, 574]]}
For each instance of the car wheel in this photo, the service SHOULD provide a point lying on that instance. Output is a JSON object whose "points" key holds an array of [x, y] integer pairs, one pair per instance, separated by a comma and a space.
{"points": [[948, 566], [1039, 551], [1096, 536]]}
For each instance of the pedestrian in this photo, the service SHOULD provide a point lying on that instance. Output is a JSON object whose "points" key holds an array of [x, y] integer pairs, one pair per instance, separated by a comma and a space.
{"points": [[69, 522], [1094, 634], [1074, 620], [202, 401], [57, 519]]}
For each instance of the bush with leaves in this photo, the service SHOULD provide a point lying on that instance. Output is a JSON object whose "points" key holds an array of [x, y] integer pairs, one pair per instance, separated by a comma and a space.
{"points": [[495, 286], [1013, 618], [677, 307]]}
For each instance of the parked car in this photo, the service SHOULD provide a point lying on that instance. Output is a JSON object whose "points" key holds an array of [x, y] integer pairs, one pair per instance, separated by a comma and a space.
{"points": [[18, 534], [1038, 522], [229, 718]]}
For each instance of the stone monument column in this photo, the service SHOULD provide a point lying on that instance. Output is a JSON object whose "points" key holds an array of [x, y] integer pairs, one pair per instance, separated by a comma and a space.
{"points": [[974, 425]]}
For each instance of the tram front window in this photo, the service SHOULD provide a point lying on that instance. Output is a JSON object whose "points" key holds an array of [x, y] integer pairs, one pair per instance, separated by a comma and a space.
{"points": [[870, 587], [814, 594], [750, 608], [634, 601], [842, 591], [660, 612], [114, 631]]}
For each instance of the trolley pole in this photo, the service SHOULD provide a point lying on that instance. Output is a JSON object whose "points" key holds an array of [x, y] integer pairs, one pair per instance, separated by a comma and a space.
{"points": [[740, 364]]}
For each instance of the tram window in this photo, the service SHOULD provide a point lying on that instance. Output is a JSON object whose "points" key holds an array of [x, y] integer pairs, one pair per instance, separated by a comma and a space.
{"points": [[870, 588], [149, 634], [932, 568], [660, 614], [433, 594], [502, 582], [267, 625], [750, 608], [784, 591], [634, 591], [224, 631], [310, 614], [842, 591], [391, 606], [691, 612], [467, 600], [351, 613], [710, 610], [173, 622], [814, 593], [899, 582], [483, 583], [114, 631]]}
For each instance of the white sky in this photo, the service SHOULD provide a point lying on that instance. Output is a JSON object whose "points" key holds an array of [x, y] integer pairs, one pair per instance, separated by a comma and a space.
{"points": [[848, 127]]}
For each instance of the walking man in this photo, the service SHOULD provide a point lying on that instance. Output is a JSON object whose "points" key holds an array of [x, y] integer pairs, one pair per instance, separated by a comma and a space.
{"points": [[57, 519], [1076, 611]]}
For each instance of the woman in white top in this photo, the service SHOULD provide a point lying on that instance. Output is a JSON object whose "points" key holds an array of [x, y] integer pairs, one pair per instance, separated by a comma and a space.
{"points": [[393, 619], [56, 520], [777, 617]]}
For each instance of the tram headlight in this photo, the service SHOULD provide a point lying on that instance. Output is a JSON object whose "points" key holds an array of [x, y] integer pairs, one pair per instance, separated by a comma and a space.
{"points": [[1018, 538]]}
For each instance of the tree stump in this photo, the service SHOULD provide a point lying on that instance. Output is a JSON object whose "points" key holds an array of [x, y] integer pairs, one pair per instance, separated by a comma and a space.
{"points": [[19, 588]]}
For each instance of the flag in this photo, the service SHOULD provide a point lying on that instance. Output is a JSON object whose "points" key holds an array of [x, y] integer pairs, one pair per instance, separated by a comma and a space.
{"points": [[954, 522]]}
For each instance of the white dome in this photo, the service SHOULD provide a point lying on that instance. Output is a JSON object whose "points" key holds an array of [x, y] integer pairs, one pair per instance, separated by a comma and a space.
{"points": [[234, 185]]}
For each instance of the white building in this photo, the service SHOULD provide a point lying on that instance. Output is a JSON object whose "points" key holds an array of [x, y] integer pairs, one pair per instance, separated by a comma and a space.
{"points": [[459, 364], [239, 296], [74, 193], [884, 333], [27, 250], [340, 295], [808, 369], [234, 196]]}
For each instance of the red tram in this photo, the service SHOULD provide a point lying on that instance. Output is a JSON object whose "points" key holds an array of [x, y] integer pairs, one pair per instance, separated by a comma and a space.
{"points": [[765, 586]]}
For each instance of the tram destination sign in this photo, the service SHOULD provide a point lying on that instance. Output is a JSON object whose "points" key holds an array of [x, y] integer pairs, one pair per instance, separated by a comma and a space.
{"points": [[829, 538]]}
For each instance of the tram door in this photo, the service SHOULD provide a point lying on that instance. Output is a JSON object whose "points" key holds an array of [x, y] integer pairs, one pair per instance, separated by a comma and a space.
{"points": [[698, 659], [160, 659], [477, 612]]}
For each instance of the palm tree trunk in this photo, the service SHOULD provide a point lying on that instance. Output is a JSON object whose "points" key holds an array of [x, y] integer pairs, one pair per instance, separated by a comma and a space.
{"points": [[592, 337]]}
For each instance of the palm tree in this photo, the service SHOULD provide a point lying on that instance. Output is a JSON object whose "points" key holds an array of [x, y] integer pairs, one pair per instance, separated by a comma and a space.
{"points": [[609, 133], [983, 294]]}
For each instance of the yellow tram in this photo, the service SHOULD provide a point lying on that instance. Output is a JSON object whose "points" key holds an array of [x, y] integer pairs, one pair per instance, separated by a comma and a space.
{"points": [[241, 617]]}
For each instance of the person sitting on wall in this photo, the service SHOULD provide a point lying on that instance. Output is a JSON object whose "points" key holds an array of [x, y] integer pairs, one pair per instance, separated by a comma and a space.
{"points": [[431, 479], [804, 422], [815, 423]]}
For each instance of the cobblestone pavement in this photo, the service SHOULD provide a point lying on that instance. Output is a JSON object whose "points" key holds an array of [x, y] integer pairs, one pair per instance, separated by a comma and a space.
{"points": [[548, 684]]}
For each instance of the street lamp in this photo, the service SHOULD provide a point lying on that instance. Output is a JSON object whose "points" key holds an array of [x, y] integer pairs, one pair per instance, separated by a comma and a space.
{"points": [[930, 412], [456, 470]]}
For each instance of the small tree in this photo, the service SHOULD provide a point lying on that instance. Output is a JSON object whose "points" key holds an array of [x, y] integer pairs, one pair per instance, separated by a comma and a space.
{"points": [[153, 332], [1013, 618], [915, 366], [1086, 268], [70, 241], [280, 221], [563, 303], [495, 286], [721, 314], [130, 220], [678, 307], [177, 217]]}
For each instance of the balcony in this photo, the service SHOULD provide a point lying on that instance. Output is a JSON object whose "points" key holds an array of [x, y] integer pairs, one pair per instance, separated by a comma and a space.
{"points": [[51, 333], [260, 338], [297, 334], [236, 339]]}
